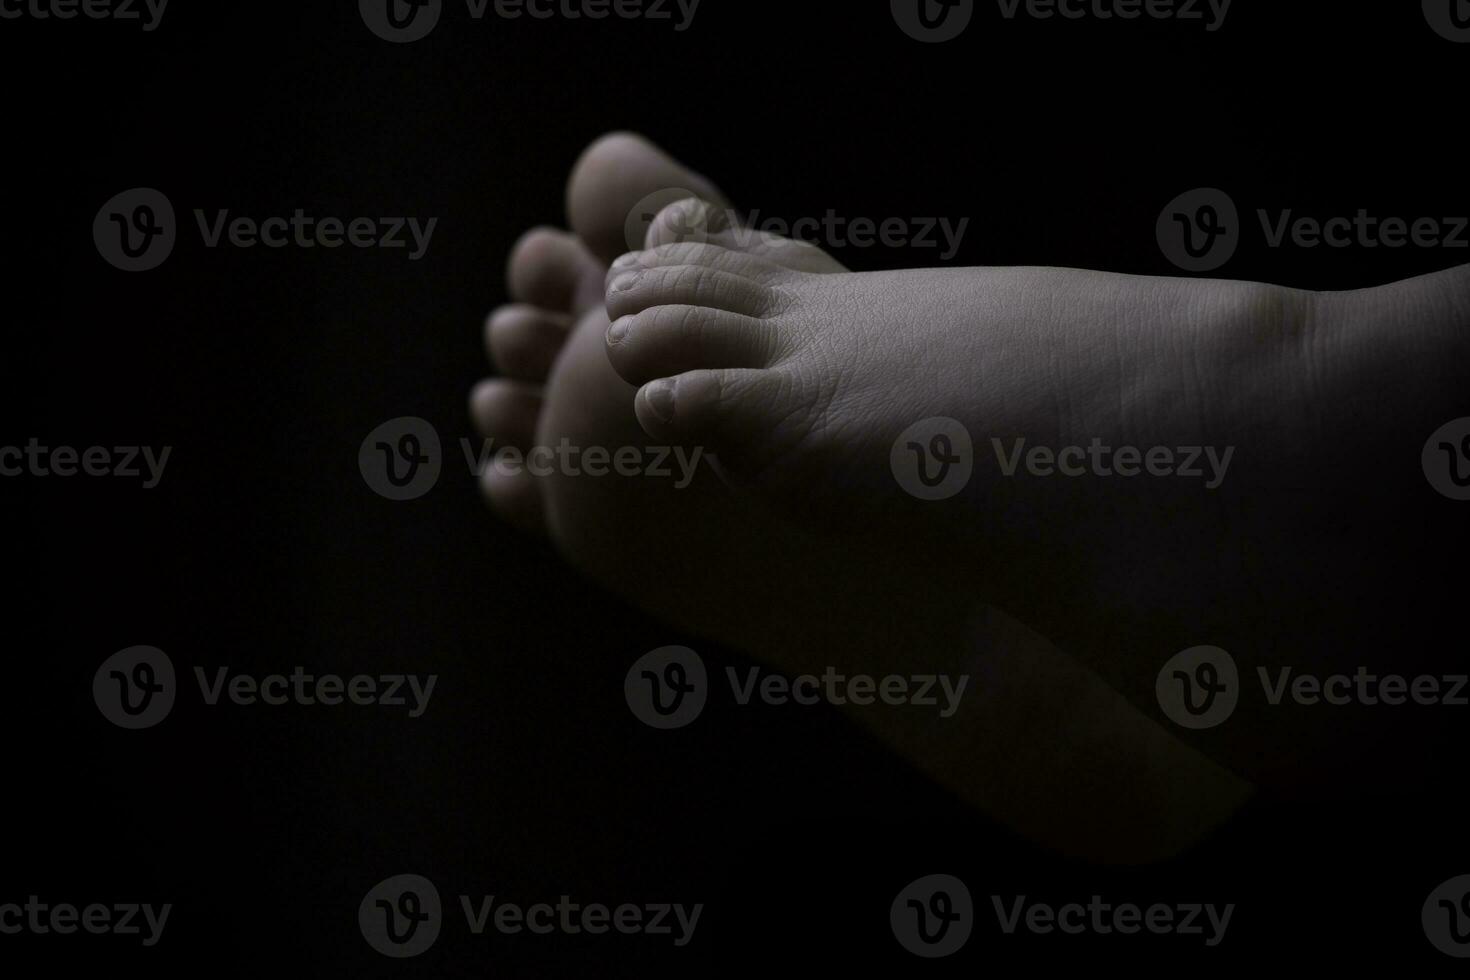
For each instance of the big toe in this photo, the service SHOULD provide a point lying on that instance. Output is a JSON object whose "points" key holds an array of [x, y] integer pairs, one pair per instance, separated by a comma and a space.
{"points": [[620, 184]]}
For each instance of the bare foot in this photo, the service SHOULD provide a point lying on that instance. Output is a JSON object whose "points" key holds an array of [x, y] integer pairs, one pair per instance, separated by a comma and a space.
{"points": [[1041, 743], [1227, 402]]}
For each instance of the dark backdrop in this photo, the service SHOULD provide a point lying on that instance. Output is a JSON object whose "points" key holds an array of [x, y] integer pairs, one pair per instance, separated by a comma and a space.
{"points": [[528, 778]]}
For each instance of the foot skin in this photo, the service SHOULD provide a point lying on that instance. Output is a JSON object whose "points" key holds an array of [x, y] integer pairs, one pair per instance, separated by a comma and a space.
{"points": [[724, 564], [803, 381], [804, 385]]}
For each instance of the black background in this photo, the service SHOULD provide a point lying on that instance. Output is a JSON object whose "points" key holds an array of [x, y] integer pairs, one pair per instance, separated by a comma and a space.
{"points": [[528, 778]]}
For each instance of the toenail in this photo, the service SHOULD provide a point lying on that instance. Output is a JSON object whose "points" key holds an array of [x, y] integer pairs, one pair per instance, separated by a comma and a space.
{"points": [[619, 329], [660, 397], [624, 282]]}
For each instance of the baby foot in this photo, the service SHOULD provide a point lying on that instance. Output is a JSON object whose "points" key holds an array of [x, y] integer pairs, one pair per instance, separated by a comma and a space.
{"points": [[552, 278], [805, 387], [719, 563], [801, 382]]}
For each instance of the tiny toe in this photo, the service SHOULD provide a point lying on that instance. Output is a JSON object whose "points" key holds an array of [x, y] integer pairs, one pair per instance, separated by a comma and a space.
{"points": [[545, 268], [746, 264], [687, 285], [719, 408], [669, 340], [516, 496], [523, 340], [695, 223], [506, 411], [689, 220]]}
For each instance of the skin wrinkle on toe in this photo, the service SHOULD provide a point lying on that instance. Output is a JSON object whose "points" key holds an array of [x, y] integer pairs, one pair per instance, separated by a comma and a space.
{"points": [[668, 340], [723, 228], [713, 255], [688, 285]]}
